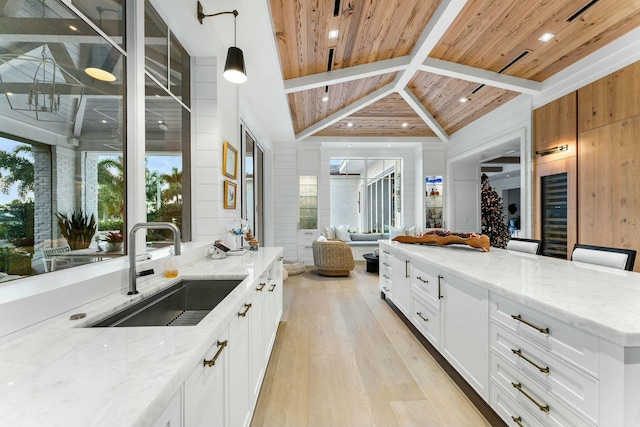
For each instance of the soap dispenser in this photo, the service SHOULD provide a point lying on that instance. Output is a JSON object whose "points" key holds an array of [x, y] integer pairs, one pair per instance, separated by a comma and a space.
{"points": [[170, 265]]}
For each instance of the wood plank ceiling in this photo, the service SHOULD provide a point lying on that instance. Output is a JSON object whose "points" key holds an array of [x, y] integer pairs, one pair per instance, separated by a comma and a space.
{"points": [[396, 62]]}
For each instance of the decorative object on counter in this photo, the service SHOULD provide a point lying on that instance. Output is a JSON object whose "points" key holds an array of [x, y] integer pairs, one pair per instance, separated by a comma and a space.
{"points": [[252, 241], [170, 265], [114, 241], [77, 229], [238, 227], [446, 237], [494, 223]]}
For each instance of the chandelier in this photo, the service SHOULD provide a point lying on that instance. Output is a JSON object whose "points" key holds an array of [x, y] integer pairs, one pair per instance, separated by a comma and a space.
{"points": [[40, 88]]}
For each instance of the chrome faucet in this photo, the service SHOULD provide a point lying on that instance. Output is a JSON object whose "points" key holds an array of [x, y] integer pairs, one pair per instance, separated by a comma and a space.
{"points": [[132, 247]]}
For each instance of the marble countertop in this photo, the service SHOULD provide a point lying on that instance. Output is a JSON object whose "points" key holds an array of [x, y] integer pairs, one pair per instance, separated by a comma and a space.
{"points": [[65, 374], [600, 300]]}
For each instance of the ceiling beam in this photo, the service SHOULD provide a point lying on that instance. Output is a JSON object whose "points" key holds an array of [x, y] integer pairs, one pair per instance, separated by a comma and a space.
{"points": [[424, 114], [347, 111], [479, 75], [346, 74]]}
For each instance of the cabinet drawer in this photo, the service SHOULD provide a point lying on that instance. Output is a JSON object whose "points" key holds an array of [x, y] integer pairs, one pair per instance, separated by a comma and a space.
{"points": [[305, 238], [426, 319], [510, 411], [386, 285], [578, 389], [305, 254], [561, 339], [544, 406], [425, 282]]}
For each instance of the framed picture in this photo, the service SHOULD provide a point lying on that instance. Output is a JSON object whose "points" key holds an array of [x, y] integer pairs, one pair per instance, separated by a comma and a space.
{"points": [[229, 160], [229, 195]]}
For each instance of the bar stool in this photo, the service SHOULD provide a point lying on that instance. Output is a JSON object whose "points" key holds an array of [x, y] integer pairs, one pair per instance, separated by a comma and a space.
{"points": [[622, 259]]}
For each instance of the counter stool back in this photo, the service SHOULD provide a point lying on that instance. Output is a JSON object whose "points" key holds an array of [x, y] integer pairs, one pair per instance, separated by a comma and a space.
{"points": [[602, 255], [530, 246]]}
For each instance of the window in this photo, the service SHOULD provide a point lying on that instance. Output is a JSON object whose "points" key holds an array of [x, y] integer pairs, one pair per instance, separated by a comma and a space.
{"points": [[365, 193], [254, 185]]}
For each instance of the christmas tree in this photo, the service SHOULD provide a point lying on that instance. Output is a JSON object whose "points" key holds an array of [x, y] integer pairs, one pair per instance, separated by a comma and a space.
{"points": [[494, 223]]}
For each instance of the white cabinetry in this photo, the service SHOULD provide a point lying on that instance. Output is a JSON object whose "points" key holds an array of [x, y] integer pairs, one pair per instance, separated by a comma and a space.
{"points": [[549, 369], [172, 414], [305, 239], [206, 388], [239, 366], [256, 341], [465, 331], [401, 295], [386, 272]]}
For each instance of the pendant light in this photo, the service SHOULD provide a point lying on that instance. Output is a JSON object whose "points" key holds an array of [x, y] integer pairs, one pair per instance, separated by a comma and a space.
{"points": [[234, 70]]}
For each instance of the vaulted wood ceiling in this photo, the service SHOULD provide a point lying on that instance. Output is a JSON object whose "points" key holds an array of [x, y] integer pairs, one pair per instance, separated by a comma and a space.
{"points": [[400, 67]]}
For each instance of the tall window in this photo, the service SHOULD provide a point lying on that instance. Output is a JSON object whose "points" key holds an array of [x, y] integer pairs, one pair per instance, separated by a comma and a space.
{"points": [[167, 130], [254, 184], [365, 193]]}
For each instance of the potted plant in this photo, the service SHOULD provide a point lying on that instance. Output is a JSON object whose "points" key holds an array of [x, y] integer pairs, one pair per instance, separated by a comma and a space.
{"points": [[78, 229], [113, 241]]}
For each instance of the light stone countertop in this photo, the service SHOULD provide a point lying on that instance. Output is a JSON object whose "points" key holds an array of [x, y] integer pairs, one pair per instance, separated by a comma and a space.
{"points": [[602, 301], [67, 375]]}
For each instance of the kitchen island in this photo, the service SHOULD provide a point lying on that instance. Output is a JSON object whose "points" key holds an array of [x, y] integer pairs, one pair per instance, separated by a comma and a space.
{"points": [[68, 374], [543, 341]]}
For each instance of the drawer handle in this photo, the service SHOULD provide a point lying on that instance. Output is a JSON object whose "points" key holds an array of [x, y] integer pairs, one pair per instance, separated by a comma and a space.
{"points": [[386, 252], [423, 318], [386, 264], [272, 287], [537, 328], [385, 288], [439, 286], [221, 346], [280, 258], [517, 420], [246, 309], [518, 353], [386, 277], [422, 280], [261, 287], [406, 269], [518, 386]]}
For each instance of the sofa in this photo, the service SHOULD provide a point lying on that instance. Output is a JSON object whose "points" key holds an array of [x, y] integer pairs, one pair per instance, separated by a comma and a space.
{"points": [[364, 243]]}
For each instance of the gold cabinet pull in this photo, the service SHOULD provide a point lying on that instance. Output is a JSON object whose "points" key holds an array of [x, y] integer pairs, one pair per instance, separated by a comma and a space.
{"points": [[422, 317], [280, 258], [221, 346], [261, 287], [517, 420], [439, 286], [246, 309], [385, 276], [518, 353], [385, 288], [386, 264], [272, 287], [386, 252], [518, 386], [537, 328], [421, 279]]}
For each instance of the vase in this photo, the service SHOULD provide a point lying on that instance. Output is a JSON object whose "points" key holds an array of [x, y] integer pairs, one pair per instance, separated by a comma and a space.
{"points": [[112, 247]]}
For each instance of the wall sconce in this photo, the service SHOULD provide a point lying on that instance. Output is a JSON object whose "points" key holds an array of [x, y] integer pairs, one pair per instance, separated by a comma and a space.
{"points": [[552, 150], [234, 66]]}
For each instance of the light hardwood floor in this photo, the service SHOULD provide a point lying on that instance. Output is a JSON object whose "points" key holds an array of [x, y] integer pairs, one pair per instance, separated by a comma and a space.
{"points": [[342, 357]]}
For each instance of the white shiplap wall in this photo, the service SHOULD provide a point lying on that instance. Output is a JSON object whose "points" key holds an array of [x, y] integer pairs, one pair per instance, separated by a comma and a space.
{"points": [[285, 198]]}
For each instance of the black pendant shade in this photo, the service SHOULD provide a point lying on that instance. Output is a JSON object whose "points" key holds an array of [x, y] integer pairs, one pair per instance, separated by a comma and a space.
{"points": [[234, 67]]}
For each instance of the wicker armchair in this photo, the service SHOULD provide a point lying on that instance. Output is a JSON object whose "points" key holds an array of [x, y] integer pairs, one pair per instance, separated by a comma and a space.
{"points": [[333, 258]]}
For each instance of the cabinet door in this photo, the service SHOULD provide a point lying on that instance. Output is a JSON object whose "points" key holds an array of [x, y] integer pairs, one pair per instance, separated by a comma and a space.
{"points": [[272, 313], [402, 283], [172, 414], [465, 334], [205, 389], [239, 367], [256, 357]]}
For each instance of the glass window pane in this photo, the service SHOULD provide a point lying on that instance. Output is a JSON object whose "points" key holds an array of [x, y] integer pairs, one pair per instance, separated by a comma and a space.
{"points": [[167, 171], [77, 176], [108, 15], [156, 49], [179, 83]]}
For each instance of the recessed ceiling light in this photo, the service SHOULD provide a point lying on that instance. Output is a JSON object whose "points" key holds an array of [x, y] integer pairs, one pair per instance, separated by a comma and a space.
{"points": [[463, 99], [104, 121], [388, 145], [9, 93], [349, 124], [348, 145], [333, 34], [405, 124], [325, 98], [546, 37], [73, 28], [507, 175]]}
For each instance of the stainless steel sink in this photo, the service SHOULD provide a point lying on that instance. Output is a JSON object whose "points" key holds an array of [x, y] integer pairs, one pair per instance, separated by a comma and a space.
{"points": [[184, 304]]}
